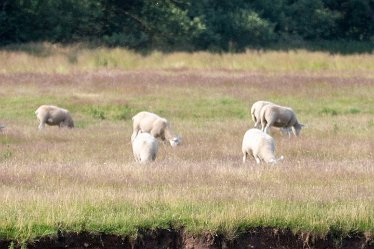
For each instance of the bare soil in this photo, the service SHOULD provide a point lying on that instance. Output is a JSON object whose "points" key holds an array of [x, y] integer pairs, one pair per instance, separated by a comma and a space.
{"points": [[178, 238]]}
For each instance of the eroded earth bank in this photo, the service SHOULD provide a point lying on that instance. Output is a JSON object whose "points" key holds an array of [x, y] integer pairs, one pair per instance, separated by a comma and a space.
{"points": [[178, 238]]}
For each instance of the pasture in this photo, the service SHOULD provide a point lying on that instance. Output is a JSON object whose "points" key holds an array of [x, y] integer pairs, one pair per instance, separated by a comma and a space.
{"points": [[85, 179]]}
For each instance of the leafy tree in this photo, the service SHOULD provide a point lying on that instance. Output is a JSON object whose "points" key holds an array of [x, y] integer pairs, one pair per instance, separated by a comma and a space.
{"points": [[187, 24]]}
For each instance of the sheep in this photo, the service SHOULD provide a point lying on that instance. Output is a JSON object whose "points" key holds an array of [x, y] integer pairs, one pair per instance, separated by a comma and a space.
{"points": [[155, 125], [260, 145], [279, 116], [144, 147], [53, 115], [256, 111]]}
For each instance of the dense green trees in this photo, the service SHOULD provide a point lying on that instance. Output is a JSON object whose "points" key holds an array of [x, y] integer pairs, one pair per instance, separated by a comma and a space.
{"points": [[186, 24]]}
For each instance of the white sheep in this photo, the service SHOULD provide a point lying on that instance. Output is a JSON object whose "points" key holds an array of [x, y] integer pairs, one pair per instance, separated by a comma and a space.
{"points": [[260, 145], [53, 115], [144, 147], [155, 125], [256, 111], [279, 116]]}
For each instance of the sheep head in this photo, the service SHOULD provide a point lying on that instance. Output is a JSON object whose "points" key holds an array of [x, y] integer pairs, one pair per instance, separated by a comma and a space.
{"points": [[297, 128], [275, 161], [175, 141]]}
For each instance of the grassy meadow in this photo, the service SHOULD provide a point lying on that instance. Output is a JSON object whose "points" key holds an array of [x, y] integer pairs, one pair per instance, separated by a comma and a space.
{"points": [[85, 179]]}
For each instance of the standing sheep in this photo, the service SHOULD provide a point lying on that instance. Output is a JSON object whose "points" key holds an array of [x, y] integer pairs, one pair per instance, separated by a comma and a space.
{"points": [[256, 112], [53, 115], [260, 145], [279, 116], [156, 126], [144, 147]]}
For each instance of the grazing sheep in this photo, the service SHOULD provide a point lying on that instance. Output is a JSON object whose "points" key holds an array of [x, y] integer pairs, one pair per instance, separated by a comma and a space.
{"points": [[53, 115], [144, 147], [279, 116], [156, 126], [256, 111], [260, 145]]}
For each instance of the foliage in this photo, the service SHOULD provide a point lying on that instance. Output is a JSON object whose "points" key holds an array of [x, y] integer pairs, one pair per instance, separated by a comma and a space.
{"points": [[185, 24]]}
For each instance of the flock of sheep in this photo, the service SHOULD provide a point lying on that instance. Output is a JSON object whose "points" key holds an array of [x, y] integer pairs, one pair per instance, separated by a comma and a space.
{"points": [[148, 127], [257, 142]]}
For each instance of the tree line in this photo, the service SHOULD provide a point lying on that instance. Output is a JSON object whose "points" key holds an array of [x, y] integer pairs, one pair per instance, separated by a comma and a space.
{"points": [[186, 24]]}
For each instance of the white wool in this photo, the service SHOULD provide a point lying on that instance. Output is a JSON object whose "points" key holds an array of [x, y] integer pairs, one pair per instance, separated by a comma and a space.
{"points": [[155, 125], [260, 145], [255, 112], [279, 116], [144, 147], [256, 116], [53, 115]]}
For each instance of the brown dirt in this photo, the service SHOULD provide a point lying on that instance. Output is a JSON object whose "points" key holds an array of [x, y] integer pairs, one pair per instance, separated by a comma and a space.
{"points": [[171, 238]]}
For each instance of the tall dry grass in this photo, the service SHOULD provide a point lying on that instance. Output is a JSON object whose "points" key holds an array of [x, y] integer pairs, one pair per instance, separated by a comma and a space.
{"points": [[54, 58], [86, 178]]}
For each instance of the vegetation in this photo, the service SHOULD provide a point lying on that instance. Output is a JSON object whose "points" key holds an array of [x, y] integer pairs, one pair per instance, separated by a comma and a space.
{"points": [[188, 25], [85, 179], [48, 58]]}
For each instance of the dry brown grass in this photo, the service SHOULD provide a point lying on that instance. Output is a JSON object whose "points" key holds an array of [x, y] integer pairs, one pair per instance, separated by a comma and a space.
{"points": [[86, 178], [55, 58]]}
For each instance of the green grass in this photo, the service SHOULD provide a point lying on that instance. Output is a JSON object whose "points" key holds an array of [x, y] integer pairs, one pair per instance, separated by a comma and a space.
{"points": [[86, 179]]}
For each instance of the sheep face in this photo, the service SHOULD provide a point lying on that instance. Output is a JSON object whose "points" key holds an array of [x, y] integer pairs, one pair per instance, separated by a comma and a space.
{"points": [[71, 124], [68, 122], [175, 141], [275, 161], [297, 128]]}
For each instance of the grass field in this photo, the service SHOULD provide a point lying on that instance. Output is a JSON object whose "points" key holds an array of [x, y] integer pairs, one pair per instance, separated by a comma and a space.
{"points": [[86, 179]]}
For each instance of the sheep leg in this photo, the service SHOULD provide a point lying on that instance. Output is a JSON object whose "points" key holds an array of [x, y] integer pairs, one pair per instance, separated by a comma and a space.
{"points": [[257, 124], [135, 131], [137, 158], [42, 117], [62, 124], [65, 123], [266, 129], [285, 131], [293, 131], [42, 123], [244, 156], [263, 126], [264, 123], [258, 161]]}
